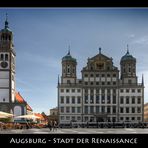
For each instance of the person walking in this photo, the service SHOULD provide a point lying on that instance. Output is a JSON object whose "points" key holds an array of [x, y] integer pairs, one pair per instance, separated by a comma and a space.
{"points": [[54, 125], [50, 125]]}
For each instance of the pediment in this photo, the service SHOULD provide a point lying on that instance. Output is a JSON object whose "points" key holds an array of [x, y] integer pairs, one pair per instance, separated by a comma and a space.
{"points": [[100, 62], [100, 57]]}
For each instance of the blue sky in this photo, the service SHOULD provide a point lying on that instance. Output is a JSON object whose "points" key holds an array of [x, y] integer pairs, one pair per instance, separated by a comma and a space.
{"points": [[42, 37]]}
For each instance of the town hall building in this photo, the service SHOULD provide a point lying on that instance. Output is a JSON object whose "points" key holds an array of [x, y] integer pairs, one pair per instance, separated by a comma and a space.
{"points": [[103, 94]]}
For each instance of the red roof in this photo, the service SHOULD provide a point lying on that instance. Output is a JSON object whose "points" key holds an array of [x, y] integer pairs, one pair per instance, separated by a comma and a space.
{"points": [[39, 115], [29, 108], [20, 99]]}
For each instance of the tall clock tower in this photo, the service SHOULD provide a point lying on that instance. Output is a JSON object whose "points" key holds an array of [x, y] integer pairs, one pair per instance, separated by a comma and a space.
{"points": [[7, 69]]}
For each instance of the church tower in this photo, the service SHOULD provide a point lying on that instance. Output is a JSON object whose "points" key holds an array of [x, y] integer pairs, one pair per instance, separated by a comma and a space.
{"points": [[128, 69], [7, 69], [68, 69]]}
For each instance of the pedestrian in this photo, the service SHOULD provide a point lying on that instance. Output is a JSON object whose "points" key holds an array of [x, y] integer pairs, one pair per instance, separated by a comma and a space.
{"points": [[54, 125], [50, 125]]}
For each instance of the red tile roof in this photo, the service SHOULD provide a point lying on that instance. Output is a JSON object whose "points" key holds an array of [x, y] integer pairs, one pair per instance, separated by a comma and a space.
{"points": [[29, 108], [20, 99], [39, 115]]}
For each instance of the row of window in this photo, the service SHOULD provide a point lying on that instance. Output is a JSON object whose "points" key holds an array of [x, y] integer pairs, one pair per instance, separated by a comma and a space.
{"points": [[99, 109], [130, 109], [88, 119], [89, 90], [114, 119], [88, 99], [129, 69], [70, 90], [103, 109], [103, 91], [130, 118], [93, 119], [130, 100], [100, 99], [71, 118], [3, 57], [69, 70], [100, 75], [73, 100], [130, 65], [130, 90], [69, 109], [101, 83], [6, 37]]}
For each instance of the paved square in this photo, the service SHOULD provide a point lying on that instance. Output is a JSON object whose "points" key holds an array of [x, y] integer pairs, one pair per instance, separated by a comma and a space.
{"points": [[77, 131]]}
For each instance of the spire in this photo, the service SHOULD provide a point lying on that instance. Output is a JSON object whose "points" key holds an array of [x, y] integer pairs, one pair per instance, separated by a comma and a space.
{"points": [[142, 80], [99, 50], [127, 49], [68, 50], [6, 22], [58, 80]]}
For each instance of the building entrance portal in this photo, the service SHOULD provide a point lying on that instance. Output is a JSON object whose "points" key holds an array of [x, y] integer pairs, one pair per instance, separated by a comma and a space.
{"points": [[101, 117]]}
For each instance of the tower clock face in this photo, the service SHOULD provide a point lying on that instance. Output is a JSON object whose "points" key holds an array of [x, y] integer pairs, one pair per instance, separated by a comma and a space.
{"points": [[4, 64]]}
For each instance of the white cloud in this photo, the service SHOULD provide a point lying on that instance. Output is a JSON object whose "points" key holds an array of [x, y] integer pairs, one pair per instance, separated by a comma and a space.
{"points": [[131, 35], [141, 40]]}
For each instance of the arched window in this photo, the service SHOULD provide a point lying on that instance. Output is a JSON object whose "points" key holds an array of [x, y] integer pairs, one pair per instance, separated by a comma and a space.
{"points": [[91, 68], [68, 68], [5, 37], [17, 110], [129, 69], [9, 38], [123, 69], [1, 57], [6, 57]]}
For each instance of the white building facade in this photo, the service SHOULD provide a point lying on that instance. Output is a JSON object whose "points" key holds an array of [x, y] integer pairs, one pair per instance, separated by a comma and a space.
{"points": [[101, 95], [8, 102]]}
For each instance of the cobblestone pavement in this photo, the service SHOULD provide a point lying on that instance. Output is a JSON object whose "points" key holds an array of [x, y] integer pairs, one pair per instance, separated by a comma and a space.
{"points": [[77, 131]]}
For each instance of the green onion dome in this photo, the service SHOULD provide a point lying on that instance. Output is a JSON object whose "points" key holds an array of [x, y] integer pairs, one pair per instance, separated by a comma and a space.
{"points": [[68, 57]]}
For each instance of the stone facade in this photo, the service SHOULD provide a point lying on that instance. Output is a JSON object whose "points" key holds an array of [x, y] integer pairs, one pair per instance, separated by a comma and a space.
{"points": [[101, 95]]}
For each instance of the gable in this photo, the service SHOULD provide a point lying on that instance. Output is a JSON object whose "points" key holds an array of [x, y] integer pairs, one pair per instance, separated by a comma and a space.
{"points": [[100, 62]]}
